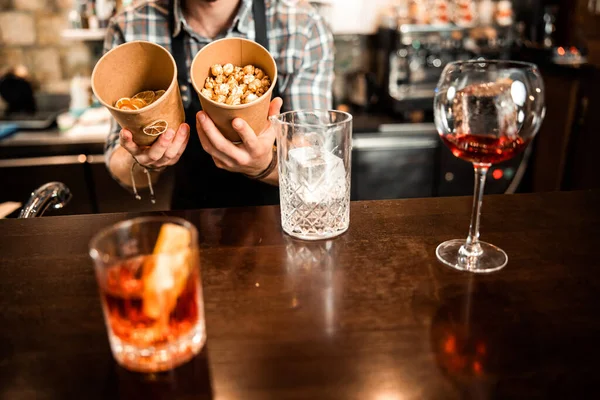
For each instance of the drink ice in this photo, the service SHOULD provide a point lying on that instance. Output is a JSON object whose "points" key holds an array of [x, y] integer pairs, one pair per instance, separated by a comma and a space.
{"points": [[486, 108], [314, 192]]}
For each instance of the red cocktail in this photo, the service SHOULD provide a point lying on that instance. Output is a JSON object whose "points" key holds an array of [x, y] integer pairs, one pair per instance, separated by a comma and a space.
{"points": [[152, 302]]}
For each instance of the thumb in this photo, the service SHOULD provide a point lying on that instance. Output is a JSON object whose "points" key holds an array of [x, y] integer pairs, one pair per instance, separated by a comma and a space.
{"points": [[126, 141], [275, 106]]}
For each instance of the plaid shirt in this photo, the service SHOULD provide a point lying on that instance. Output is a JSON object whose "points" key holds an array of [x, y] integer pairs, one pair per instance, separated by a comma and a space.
{"points": [[299, 40]]}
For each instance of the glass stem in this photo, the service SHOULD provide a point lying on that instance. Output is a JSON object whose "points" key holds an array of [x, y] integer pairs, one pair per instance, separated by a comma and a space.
{"points": [[472, 248]]}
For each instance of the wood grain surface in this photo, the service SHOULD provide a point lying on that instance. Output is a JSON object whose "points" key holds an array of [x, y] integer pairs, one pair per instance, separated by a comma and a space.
{"points": [[369, 315]]}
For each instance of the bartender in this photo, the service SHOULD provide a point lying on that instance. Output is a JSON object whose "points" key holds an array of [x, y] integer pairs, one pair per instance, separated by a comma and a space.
{"points": [[211, 171]]}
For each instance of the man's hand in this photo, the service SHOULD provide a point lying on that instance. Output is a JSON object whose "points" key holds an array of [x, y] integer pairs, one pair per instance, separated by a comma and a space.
{"points": [[166, 151], [252, 156]]}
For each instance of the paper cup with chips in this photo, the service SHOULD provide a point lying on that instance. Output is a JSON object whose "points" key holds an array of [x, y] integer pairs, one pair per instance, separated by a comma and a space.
{"points": [[240, 53], [137, 83]]}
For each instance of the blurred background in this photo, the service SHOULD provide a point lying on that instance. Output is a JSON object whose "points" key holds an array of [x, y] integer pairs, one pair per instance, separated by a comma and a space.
{"points": [[389, 56]]}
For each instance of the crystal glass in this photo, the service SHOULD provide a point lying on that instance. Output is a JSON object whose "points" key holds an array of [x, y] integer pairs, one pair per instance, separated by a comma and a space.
{"points": [[314, 155], [149, 279], [486, 112]]}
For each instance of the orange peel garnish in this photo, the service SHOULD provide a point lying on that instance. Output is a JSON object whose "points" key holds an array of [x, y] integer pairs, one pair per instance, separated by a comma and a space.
{"points": [[138, 103], [166, 273], [123, 102], [147, 96]]}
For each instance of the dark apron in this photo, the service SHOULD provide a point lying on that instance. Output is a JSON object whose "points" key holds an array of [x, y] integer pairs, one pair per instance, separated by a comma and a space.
{"points": [[198, 182]]}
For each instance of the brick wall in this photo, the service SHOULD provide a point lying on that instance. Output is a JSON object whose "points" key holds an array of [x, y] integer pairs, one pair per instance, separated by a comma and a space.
{"points": [[30, 35]]}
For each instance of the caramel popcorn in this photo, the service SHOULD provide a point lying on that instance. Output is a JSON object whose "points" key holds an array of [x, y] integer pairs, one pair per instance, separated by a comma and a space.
{"points": [[235, 85], [248, 79], [266, 82], [228, 69], [254, 85], [207, 93], [237, 91], [233, 101], [222, 89], [232, 82], [216, 70], [249, 98]]}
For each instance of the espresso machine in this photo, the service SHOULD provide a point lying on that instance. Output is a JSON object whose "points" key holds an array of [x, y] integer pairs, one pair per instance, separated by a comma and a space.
{"points": [[411, 57]]}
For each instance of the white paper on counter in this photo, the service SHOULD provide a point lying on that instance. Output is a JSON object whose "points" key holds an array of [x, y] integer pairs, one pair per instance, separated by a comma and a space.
{"points": [[99, 132], [93, 124]]}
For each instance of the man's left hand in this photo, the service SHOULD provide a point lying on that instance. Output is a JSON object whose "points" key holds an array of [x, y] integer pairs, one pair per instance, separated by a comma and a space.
{"points": [[252, 156]]}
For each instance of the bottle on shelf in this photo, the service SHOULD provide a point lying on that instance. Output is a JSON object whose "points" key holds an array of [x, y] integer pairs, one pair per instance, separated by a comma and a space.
{"points": [[80, 94], [78, 15], [504, 13], [104, 11], [464, 13], [91, 15], [486, 10], [419, 12], [441, 12]]}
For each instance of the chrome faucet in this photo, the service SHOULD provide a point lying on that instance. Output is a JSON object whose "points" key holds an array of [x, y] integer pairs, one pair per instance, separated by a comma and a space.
{"points": [[53, 194]]}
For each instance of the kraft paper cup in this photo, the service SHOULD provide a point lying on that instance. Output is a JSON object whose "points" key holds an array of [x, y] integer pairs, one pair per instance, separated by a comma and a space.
{"points": [[239, 52], [132, 68]]}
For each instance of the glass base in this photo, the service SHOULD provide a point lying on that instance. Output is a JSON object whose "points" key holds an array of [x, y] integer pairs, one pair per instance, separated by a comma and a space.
{"points": [[316, 236], [490, 259], [158, 359]]}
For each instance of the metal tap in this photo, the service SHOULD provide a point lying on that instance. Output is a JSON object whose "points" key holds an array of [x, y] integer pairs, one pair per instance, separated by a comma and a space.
{"points": [[52, 194]]}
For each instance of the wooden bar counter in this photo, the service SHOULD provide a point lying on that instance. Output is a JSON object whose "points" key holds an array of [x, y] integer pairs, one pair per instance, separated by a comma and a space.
{"points": [[370, 315]]}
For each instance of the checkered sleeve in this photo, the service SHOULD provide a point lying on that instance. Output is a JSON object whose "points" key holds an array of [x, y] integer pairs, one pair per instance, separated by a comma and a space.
{"points": [[311, 85], [113, 38]]}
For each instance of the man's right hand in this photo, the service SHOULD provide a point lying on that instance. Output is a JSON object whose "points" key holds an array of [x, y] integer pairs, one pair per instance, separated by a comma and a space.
{"points": [[166, 151]]}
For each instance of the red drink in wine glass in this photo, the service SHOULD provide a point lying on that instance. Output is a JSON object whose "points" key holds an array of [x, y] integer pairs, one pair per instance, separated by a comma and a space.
{"points": [[486, 112]]}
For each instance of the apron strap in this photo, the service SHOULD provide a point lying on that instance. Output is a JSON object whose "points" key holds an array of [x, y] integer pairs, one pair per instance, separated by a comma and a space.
{"points": [[259, 12], [178, 47]]}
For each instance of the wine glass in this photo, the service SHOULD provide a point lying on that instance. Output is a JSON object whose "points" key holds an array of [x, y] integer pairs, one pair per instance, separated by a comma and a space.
{"points": [[486, 112]]}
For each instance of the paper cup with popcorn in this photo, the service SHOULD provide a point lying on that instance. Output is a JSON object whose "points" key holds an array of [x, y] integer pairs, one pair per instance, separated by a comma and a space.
{"points": [[235, 78], [137, 83]]}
